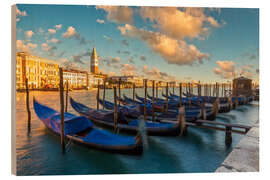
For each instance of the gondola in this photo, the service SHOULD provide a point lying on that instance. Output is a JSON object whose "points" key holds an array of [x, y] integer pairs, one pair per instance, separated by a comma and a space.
{"points": [[79, 129], [192, 112], [129, 101], [161, 103], [131, 111], [105, 119], [223, 103]]}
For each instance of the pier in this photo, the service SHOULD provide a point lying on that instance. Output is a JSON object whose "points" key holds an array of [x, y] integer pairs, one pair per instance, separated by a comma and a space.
{"points": [[245, 156]]}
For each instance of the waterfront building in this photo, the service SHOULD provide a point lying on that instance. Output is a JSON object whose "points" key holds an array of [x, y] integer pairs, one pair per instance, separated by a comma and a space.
{"points": [[40, 72], [138, 81], [76, 79], [242, 86], [94, 62], [44, 73], [93, 79]]}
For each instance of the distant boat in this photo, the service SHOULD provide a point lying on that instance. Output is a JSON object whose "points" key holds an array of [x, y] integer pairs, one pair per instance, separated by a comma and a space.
{"points": [[80, 130]]}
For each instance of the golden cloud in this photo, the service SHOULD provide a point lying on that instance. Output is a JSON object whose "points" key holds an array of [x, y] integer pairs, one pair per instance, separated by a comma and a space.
{"points": [[179, 23], [172, 50], [29, 34], [118, 14], [227, 66]]}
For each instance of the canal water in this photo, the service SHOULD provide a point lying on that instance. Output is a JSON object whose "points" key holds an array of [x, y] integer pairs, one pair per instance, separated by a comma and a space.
{"points": [[39, 152]]}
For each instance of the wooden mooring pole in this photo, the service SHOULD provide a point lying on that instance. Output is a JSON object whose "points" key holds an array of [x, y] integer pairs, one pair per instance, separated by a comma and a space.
{"points": [[66, 96], [167, 102], [98, 96], [186, 88], [157, 90], [104, 92], [217, 90], [62, 111], [210, 90], [182, 120], [189, 88], [27, 106], [228, 136], [145, 94], [214, 90], [153, 100], [198, 89], [180, 95], [119, 90], [115, 116], [133, 92], [173, 87]]}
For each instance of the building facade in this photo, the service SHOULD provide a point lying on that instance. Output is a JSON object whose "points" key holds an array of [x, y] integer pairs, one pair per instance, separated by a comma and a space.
{"points": [[242, 87], [40, 72], [138, 81], [44, 73], [76, 79]]}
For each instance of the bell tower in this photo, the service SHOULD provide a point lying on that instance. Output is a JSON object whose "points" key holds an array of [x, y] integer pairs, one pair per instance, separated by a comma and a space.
{"points": [[94, 62]]}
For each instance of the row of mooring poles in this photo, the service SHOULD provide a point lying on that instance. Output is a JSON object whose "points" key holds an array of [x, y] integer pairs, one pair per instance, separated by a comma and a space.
{"points": [[189, 90]]}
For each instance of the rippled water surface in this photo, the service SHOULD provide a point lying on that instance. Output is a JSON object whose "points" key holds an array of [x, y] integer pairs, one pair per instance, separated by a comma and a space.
{"points": [[201, 150]]}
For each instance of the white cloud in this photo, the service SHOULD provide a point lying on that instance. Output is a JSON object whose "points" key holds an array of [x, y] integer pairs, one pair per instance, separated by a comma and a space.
{"points": [[51, 31], [20, 13], [49, 49], [108, 38], [31, 45], [25, 47], [227, 70], [45, 47], [127, 69], [118, 14], [58, 26], [172, 50], [29, 34], [71, 32], [155, 73], [100, 21], [40, 31], [53, 40]]}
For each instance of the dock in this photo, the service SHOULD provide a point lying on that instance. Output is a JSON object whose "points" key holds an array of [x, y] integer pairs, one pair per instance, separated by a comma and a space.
{"points": [[215, 125], [245, 156]]}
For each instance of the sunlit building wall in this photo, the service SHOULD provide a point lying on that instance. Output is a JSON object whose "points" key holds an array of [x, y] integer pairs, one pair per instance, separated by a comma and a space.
{"points": [[40, 72]]}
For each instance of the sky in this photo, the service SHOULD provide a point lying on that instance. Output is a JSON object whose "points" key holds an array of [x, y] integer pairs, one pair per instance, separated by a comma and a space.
{"points": [[160, 43]]}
